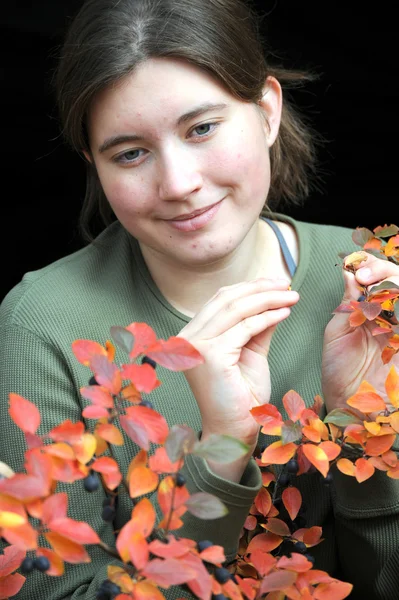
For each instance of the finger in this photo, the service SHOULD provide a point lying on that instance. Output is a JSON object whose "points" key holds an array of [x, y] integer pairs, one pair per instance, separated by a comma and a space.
{"points": [[374, 270], [236, 310]]}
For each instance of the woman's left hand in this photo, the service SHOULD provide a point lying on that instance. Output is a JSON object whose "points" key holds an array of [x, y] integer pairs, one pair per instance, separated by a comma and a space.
{"points": [[352, 354]]}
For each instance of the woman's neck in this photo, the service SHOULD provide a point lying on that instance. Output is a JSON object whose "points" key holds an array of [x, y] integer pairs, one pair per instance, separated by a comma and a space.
{"points": [[257, 256]]}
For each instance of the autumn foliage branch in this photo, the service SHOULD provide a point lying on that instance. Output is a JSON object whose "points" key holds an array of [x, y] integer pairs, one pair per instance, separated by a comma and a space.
{"points": [[274, 558]]}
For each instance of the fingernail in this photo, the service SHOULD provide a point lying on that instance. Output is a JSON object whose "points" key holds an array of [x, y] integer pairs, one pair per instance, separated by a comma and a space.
{"points": [[364, 273]]}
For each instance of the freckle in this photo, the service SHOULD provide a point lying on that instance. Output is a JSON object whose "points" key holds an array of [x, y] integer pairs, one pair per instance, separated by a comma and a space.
{"points": [[193, 245]]}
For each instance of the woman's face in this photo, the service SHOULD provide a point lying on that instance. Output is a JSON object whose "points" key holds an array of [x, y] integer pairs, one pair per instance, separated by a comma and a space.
{"points": [[184, 165]]}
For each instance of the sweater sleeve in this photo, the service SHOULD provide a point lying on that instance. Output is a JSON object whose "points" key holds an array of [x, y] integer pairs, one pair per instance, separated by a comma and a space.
{"points": [[35, 369], [367, 533]]}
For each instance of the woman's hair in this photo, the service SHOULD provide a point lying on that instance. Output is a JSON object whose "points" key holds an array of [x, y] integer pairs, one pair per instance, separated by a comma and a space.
{"points": [[106, 41]]}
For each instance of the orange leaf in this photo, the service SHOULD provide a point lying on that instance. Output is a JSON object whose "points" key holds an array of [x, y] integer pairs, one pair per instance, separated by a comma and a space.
{"points": [[296, 562], [55, 507], [143, 425], [76, 531], [120, 577], [67, 550], [144, 336], [276, 581], [145, 590], [169, 571], [363, 469], [24, 413], [214, 555], [98, 395], [10, 560], [336, 590], [201, 584], [331, 449], [10, 585], [175, 354], [292, 500], [24, 537], [106, 373], [84, 350], [67, 432], [293, 404], [160, 462], [144, 516], [143, 376], [85, 448], [109, 469], [392, 386], [142, 481], [110, 433], [265, 542], [376, 446], [165, 495], [250, 523], [279, 453], [57, 566], [269, 417], [317, 457], [277, 526], [346, 466], [366, 399], [173, 548], [262, 561], [61, 450], [312, 536], [263, 501]]}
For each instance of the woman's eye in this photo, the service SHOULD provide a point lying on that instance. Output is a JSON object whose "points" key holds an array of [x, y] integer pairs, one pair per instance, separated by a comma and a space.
{"points": [[204, 129], [129, 156]]}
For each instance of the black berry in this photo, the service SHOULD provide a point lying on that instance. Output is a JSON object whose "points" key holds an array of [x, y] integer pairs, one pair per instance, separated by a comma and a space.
{"points": [[284, 479], [219, 597], [328, 478], [108, 514], [361, 298], [310, 558], [222, 575], [93, 381], [300, 547], [107, 590], [292, 466], [203, 544], [146, 403], [108, 501], [180, 480], [27, 565], [91, 482], [41, 563], [146, 360]]}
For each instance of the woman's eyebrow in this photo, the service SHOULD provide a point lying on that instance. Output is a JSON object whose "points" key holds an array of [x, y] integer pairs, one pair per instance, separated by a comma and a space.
{"points": [[192, 114]]}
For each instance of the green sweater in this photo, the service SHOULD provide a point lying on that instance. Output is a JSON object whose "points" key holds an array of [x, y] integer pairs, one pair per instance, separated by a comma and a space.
{"points": [[108, 283]]}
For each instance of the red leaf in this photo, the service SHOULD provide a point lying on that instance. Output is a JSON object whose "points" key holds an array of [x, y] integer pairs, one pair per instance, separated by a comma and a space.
{"points": [[263, 501], [106, 373], [154, 424], [175, 354], [201, 584], [24, 413], [94, 412], [277, 526], [144, 516], [110, 433], [76, 531], [84, 350], [278, 580], [10, 560], [170, 571], [336, 590], [293, 404], [144, 336], [144, 590], [66, 549], [137, 432], [143, 376], [292, 500], [173, 549], [266, 542], [363, 469], [10, 585], [24, 487], [376, 446], [55, 507], [67, 432], [159, 462], [109, 469], [98, 395], [269, 417], [263, 562], [25, 536], [296, 562], [214, 555]]}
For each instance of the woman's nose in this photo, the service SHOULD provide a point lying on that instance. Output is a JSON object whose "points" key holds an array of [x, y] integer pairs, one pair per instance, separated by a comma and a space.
{"points": [[180, 176]]}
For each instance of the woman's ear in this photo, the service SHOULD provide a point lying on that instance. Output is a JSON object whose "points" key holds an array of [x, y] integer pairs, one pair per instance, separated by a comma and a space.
{"points": [[271, 104], [87, 156]]}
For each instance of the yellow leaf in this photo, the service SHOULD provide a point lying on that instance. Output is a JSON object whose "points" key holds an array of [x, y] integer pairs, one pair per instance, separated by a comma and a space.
{"points": [[346, 466], [392, 386], [10, 519]]}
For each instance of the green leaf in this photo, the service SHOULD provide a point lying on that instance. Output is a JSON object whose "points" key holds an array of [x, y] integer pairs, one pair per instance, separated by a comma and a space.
{"points": [[180, 440], [342, 417], [290, 432], [222, 449], [206, 506], [386, 232], [385, 285], [362, 235], [396, 310], [122, 338]]}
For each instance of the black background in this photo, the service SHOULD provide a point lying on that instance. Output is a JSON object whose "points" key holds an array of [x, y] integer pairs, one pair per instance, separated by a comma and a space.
{"points": [[354, 104]]}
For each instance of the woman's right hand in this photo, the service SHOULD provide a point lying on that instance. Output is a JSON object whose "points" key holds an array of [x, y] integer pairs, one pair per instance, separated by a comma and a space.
{"points": [[233, 332]]}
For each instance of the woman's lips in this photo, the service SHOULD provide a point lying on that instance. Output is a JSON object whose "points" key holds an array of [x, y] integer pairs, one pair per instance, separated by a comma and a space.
{"points": [[197, 221]]}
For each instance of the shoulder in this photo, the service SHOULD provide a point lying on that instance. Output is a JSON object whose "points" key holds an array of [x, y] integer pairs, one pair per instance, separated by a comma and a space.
{"points": [[69, 284]]}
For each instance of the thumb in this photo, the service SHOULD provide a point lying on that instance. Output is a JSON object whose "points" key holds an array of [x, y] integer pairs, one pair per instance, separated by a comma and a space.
{"points": [[352, 290], [261, 343]]}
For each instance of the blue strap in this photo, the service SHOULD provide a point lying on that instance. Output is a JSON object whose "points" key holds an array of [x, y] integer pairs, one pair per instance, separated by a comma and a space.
{"points": [[284, 248]]}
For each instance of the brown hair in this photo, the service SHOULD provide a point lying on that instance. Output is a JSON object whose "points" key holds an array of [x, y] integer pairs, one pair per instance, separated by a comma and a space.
{"points": [[107, 39]]}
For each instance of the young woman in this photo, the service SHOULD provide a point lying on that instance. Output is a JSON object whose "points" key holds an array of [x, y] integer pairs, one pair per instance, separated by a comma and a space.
{"points": [[191, 148]]}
